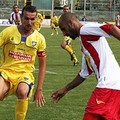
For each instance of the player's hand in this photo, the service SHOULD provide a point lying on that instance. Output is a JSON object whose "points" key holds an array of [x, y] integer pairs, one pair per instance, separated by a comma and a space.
{"points": [[57, 95], [39, 99]]}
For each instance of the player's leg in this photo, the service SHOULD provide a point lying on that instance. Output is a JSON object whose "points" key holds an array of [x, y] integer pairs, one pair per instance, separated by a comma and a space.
{"points": [[22, 102], [56, 30], [66, 44], [4, 87], [75, 60], [52, 28], [23, 91]]}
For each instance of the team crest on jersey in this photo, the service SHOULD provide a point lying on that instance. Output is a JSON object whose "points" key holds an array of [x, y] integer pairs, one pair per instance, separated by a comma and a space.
{"points": [[11, 38], [34, 43]]}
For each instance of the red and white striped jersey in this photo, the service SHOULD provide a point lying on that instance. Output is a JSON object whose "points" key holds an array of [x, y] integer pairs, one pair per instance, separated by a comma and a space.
{"points": [[98, 57]]}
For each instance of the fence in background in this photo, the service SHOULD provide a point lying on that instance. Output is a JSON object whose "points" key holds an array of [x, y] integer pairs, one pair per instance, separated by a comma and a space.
{"points": [[95, 10]]}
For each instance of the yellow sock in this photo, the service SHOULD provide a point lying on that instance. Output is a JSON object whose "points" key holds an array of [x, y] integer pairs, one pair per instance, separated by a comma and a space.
{"points": [[21, 109], [75, 58], [69, 49]]}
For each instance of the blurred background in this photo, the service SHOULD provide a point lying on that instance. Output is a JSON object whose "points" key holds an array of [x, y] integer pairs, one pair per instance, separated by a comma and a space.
{"points": [[94, 10]]}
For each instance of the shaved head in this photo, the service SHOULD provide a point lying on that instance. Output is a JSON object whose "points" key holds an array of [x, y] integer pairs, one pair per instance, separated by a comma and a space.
{"points": [[69, 25], [66, 18]]}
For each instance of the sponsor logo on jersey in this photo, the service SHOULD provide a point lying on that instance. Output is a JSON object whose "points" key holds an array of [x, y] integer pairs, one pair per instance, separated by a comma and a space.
{"points": [[20, 56], [100, 101]]}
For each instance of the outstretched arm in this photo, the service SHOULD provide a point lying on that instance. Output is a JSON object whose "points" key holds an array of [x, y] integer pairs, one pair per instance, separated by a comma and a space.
{"points": [[115, 31], [38, 96], [57, 95]]}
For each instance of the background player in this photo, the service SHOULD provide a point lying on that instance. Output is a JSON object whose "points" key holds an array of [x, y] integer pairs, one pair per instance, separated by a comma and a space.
{"points": [[97, 58], [15, 16], [21, 44], [54, 24], [39, 18], [67, 41], [84, 19], [118, 20], [38, 21]]}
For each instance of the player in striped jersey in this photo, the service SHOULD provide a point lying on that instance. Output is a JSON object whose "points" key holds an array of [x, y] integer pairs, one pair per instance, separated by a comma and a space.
{"points": [[97, 58], [15, 16], [118, 20]]}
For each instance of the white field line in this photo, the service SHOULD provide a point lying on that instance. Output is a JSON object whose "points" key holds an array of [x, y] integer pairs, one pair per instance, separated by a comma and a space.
{"points": [[54, 73], [49, 72]]}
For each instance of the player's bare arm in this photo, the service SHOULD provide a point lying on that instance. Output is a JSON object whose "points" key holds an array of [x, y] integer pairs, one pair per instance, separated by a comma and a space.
{"points": [[38, 96], [115, 31], [57, 95]]}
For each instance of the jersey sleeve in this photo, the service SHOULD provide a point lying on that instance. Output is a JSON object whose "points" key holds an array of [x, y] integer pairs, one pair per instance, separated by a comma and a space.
{"points": [[42, 47], [96, 29], [3, 36]]}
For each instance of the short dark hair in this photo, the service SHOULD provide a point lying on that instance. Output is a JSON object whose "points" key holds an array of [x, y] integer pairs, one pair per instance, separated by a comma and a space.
{"points": [[66, 6], [15, 5], [29, 8], [29, 2]]}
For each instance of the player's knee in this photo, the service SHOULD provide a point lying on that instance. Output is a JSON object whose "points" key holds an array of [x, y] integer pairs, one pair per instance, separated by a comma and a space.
{"points": [[63, 46], [22, 91], [22, 94]]}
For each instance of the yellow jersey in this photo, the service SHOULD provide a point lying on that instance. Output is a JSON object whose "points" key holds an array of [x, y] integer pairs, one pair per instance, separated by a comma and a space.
{"points": [[19, 53], [54, 20], [38, 21]]}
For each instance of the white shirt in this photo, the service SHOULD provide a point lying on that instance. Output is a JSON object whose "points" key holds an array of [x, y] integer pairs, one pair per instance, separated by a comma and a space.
{"points": [[15, 18], [118, 20], [98, 57]]}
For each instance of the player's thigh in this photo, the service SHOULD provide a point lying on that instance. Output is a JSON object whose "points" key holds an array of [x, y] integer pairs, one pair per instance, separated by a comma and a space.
{"points": [[52, 26], [25, 85], [4, 87]]}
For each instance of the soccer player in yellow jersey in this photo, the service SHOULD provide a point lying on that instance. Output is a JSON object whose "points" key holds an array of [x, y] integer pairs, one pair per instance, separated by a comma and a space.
{"points": [[0, 60], [54, 24], [21, 44], [67, 42], [38, 21]]}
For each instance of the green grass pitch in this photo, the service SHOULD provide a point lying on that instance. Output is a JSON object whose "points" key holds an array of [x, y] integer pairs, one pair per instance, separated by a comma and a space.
{"points": [[60, 71]]}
